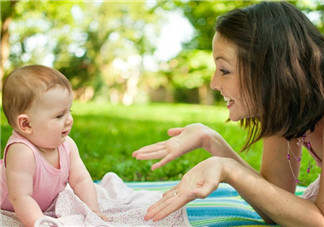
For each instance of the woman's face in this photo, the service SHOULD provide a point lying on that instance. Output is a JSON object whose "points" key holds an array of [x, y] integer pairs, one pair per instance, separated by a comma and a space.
{"points": [[226, 77]]}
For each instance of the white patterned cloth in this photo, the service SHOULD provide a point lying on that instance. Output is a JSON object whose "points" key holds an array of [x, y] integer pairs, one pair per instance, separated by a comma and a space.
{"points": [[121, 204]]}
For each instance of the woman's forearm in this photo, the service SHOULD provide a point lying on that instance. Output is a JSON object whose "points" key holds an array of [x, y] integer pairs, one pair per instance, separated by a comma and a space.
{"points": [[217, 146], [272, 202]]}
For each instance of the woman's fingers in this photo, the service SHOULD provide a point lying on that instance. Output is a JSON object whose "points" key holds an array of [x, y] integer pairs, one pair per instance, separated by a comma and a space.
{"points": [[174, 131], [155, 151], [171, 201], [156, 208], [163, 162], [149, 149], [152, 155], [199, 182]]}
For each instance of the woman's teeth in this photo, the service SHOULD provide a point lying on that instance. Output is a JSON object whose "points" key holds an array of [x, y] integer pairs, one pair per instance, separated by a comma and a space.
{"points": [[228, 100]]}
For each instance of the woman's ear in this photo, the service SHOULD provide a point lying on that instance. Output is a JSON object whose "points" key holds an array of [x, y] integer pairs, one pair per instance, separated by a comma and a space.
{"points": [[24, 124]]}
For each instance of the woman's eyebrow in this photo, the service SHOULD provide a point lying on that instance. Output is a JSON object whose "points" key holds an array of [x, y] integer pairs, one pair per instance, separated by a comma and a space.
{"points": [[222, 58]]}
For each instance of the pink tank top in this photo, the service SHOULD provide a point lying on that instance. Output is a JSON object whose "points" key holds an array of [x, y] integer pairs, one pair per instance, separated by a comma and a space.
{"points": [[48, 181]]}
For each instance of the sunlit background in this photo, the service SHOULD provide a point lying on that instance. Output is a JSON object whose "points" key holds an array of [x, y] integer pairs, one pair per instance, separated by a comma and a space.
{"points": [[122, 51]]}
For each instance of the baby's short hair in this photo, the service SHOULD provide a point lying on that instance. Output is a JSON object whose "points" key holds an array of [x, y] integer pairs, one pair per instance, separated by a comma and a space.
{"points": [[25, 84]]}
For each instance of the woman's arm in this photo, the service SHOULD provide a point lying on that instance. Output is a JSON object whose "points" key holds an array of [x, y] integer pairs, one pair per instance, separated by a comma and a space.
{"points": [[275, 167], [279, 205], [184, 140], [216, 145], [271, 193], [81, 181], [20, 169]]}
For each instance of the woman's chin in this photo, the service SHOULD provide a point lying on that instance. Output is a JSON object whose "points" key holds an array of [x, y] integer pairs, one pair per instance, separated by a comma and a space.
{"points": [[234, 117]]}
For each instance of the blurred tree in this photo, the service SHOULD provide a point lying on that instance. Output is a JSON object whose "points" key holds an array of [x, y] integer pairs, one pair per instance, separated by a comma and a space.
{"points": [[101, 46], [7, 13], [33, 31], [202, 15], [110, 41], [189, 73], [97, 45]]}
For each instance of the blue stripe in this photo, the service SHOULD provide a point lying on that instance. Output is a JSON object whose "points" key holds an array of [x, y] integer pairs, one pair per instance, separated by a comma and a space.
{"points": [[223, 207]]}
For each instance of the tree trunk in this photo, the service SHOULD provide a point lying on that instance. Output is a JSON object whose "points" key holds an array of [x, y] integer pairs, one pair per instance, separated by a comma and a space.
{"points": [[4, 45], [206, 95]]}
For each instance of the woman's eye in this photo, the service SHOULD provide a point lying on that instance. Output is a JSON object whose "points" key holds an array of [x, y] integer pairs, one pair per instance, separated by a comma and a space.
{"points": [[224, 71]]}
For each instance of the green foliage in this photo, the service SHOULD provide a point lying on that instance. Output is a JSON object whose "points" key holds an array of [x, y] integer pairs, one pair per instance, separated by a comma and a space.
{"points": [[81, 39], [107, 135], [202, 15], [6, 9], [85, 39]]}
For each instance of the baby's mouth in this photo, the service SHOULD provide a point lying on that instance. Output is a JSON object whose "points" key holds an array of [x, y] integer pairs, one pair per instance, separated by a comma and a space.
{"points": [[65, 133]]}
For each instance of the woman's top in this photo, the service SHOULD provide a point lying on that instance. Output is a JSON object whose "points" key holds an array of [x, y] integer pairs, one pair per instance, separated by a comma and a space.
{"points": [[312, 190]]}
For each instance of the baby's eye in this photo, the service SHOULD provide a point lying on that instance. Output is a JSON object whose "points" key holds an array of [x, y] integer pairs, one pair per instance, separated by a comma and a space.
{"points": [[59, 116]]}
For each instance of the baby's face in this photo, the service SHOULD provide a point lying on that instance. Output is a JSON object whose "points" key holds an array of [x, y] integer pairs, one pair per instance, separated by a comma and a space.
{"points": [[50, 118]]}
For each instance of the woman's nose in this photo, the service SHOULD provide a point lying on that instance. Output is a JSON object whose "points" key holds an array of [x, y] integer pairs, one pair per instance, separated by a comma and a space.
{"points": [[215, 83]]}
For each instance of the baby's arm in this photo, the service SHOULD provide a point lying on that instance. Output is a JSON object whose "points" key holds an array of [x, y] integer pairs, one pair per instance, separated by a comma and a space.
{"points": [[20, 165], [81, 181]]}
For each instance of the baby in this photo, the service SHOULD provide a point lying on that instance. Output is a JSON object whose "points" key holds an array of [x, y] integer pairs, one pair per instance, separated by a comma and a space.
{"points": [[40, 158]]}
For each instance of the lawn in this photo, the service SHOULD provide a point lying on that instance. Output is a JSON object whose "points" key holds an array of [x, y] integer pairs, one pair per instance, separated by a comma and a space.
{"points": [[108, 134]]}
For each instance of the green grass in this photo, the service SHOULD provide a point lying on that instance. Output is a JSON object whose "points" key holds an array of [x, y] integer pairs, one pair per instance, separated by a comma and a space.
{"points": [[108, 134]]}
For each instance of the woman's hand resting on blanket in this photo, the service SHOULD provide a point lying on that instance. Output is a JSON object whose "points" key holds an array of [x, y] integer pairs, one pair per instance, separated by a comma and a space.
{"points": [[199, 182], [183, 140]]}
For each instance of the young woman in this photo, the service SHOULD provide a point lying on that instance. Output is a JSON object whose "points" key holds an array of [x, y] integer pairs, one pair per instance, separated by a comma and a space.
{"points": [[270, 70]]}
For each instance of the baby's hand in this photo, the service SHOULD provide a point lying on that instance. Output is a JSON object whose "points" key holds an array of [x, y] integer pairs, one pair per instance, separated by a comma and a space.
{"points": [[102, 216]]}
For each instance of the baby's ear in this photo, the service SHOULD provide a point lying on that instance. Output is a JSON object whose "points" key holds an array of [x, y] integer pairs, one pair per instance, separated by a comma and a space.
{"points": [[24, 124]]}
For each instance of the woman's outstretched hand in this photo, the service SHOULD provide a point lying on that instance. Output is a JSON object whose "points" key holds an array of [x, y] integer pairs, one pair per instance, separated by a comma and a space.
{"points": [[199, 182], [183, 140]]}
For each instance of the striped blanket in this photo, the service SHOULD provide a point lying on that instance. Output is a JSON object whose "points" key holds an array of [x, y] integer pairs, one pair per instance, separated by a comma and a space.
{"points": [[127, 202], [224, 207]]}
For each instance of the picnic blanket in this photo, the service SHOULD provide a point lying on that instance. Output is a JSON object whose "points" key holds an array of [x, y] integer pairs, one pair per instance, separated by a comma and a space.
{"points": [[126, 203], [121, 204], [223, 207]]}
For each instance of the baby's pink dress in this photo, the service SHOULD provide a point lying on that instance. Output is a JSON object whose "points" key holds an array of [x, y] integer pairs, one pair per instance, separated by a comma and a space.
{"points": [[48, 181]]}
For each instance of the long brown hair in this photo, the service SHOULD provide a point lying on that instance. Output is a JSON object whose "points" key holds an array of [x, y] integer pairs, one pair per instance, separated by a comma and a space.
{"points": [[281, 65]]}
